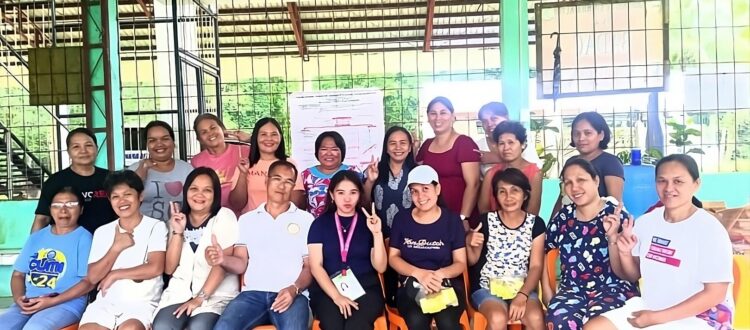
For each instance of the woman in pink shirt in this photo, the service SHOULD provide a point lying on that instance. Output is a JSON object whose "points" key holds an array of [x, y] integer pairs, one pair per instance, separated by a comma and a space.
{"points": [[224, 158], [268, 142]]}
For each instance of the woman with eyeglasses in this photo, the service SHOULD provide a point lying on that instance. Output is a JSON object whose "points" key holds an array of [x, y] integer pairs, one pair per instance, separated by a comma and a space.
{"points": [[49, 284]]}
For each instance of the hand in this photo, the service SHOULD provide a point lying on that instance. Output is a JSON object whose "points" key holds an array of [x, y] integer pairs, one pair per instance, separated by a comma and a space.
{"points": [[373, 221], [517, 307], [612, 222], [284, 299], [345, 305], [177, 220], [146, 163], [627, 240], [243, 166], [188, 307], [424, 277], [107, 282], [214, 253], [39, 303], [372, 171], [642, 319], [239, 135], [123, 239], [484, 155], [24, 304], [476, 238]]}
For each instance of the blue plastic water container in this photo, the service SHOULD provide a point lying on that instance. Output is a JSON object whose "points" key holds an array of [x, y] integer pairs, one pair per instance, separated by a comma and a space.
{"points": [[640, 185]]}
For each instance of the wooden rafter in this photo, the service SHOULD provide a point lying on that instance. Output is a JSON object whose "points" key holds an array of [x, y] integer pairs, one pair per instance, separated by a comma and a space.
{"points": [[428, 26], [296, 22], [145, 8]]}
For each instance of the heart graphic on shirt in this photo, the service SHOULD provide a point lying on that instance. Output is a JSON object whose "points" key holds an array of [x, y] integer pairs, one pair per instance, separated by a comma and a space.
{"points": [[174, 188]]}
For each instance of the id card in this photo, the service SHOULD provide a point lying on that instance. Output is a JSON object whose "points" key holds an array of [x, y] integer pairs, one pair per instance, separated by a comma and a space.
{"points": [[506, 288], [348, 285]]}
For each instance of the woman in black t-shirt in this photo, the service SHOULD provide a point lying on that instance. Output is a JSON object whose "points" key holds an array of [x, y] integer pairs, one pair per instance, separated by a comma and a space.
{"points": [[85, 178], [507, 266]]}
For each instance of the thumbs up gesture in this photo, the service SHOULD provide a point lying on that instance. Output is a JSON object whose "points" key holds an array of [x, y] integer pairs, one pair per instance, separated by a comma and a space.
{"points": [[476, 238], [214, 253]]}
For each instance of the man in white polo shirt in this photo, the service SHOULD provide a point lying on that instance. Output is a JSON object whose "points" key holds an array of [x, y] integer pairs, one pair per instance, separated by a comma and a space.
{"points": [[274, 238]]}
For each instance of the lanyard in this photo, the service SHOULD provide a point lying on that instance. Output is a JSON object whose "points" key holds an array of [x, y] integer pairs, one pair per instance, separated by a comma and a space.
{"points": [[344, 245]]}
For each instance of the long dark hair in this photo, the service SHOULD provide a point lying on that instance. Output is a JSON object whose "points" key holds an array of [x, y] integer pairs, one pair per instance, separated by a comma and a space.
{"points": [[255, 151], [341, 176], [216, 203], [385, 159]]}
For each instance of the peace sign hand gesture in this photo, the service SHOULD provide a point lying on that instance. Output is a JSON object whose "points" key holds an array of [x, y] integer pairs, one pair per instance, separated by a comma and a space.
{"points": [[372, 171], [373, 221], [612, 223], [177, 220], [627, 240]]}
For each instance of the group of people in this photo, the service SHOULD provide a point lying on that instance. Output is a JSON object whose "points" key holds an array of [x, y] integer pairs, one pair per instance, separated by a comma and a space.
{"points": [[241, 237]]}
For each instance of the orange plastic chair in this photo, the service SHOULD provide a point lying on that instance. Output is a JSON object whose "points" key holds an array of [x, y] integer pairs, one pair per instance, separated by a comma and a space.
{"points": [[71, 327], [551, 263], [741, 291], [265, 327]]}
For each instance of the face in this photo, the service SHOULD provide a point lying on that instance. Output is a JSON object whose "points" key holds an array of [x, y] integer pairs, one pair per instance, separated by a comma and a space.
{"points": [[424, 196], [346, 197], [65, 209], [160, 144], [510, 197], [675, 186], [82, 149], [509, 147], [586, 137], [279, 184], [398, 146], [490, 120], [329, 154], [125, 201], [440, 118], [580, 186], [210, 134], [269, 138], [200, 194]]}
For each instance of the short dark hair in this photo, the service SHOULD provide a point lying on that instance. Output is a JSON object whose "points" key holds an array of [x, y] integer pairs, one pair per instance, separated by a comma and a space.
{"points": [[215, 183], [584, 164], [69, 190], [686, 161], [157, 123], [442, 100], [496, 108], [207, 116], [597, 122], [512, 127], [282, 163], [341, 176], [255, 151], [126, 177], [515, 177], [337, 139], [80, 130]]}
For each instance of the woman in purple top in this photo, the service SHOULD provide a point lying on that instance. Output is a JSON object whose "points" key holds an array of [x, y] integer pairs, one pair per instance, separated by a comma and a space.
{"points": [[454, 157], [427, 248]]}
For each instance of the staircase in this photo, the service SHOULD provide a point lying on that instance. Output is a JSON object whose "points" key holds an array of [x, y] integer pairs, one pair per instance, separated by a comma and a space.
{"points": [[21, 173]]}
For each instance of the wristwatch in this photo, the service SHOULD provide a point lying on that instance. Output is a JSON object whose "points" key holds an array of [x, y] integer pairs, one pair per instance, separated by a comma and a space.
{"points": [[203, 295], [463, 217], [296, 289]]}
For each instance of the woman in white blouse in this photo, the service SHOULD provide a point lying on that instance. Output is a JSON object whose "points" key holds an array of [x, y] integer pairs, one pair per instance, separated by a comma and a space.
{"points": [[197, 293]]}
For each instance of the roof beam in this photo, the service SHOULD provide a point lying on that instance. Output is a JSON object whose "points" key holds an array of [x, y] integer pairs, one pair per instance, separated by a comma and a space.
{"points": [[145, 9], [428, 25], [296, 22]]}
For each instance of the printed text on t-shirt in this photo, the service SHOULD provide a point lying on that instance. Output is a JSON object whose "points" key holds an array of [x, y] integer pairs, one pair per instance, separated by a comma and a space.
{"points": [[660, 252], [423, 244]]}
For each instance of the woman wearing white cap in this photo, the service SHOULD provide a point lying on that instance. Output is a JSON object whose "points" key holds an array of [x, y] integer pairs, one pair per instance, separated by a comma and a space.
{"points": [[427, 249]]}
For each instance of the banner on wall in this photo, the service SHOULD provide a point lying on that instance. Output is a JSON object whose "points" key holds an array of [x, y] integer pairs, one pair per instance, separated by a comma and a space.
{"points": [[356, 114]]}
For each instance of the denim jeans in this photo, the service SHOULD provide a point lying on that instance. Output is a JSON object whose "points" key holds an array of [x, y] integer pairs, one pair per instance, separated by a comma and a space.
{"points": [[55, 317], [253, 308]]}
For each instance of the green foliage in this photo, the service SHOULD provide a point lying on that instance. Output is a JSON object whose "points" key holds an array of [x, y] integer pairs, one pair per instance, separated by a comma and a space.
{"points": [[680, 137], [538, 126], [624, 156]]}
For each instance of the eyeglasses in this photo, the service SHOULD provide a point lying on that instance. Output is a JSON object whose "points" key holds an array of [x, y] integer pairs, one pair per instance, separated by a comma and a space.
{"points": [[67, 205]]}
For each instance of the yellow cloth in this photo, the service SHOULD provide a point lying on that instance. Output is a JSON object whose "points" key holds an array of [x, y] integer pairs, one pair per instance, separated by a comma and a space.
{"points": [[438, 301], [506, 288]]}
